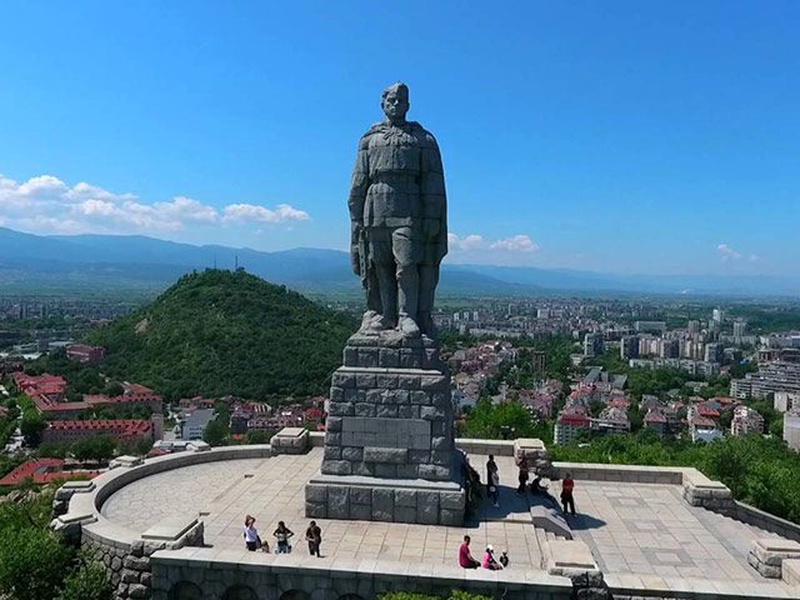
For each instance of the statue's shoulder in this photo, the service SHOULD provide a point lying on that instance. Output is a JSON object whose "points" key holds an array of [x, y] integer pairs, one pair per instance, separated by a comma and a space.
{"points": [[425, 137], [379, 127]]}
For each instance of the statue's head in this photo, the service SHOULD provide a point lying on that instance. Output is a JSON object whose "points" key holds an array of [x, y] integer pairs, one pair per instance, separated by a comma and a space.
{"points": [[394, 102]]}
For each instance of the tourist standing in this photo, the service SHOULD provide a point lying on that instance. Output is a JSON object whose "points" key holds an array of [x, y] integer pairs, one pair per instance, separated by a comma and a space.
{"points": [[282, 534], [494, 488], [314, 539], [465, 558], [567, 499], [251, 539], [523, 475], [492, 480]]}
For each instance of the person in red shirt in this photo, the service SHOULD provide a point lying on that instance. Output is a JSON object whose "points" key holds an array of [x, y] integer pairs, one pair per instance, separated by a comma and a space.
{"points": [[465, 558], [567, 487]]}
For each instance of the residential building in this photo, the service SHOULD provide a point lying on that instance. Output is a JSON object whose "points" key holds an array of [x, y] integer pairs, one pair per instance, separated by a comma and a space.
{"points": [[539, 362], [739, 328], [713, 353], [704, 430], [650, 326], [69, 431], [746, 421], [569, 425], [196, 422], [629, 347], [791, 429], [693, 327], [786, 401], [656, 421], [592, 345], [612, 419], [85, 353], [670, 349], [772, 377]]}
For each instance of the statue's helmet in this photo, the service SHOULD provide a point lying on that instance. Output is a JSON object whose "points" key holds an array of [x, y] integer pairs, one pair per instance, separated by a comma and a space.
{"points": [[397, 88]]}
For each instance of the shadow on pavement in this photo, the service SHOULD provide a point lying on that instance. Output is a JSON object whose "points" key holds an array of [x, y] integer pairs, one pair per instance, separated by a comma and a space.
{"points": [[581, 521]]}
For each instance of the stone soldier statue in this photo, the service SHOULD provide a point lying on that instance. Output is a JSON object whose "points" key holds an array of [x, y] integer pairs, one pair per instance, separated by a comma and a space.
{"points": [[398, 213]]}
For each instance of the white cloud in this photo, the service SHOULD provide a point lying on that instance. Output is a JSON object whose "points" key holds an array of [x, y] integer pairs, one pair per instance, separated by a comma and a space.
{"points": [[516, 243], [470, 242], [45, 204], [728, 253], [283, 213], [474, 242]]}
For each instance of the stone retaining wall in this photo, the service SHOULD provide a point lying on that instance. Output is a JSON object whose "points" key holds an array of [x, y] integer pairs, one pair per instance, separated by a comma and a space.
{"points": [[128, 564], [763, 520], [256, 576]]}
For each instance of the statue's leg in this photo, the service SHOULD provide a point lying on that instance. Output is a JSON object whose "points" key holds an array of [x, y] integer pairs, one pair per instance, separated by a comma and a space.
{"points": [[387, 287], [404, 248], [383, 296], [428, 280]]}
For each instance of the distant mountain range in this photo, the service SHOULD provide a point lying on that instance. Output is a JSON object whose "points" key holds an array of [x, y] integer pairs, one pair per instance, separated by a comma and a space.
{"points": [[31, 263]]}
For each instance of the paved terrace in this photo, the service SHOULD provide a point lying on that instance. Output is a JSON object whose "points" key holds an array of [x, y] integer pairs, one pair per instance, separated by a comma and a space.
{"points": [[644, 534]]}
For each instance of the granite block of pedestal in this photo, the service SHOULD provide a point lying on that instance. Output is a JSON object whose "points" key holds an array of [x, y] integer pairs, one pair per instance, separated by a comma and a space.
{"points": [[355, 497]]}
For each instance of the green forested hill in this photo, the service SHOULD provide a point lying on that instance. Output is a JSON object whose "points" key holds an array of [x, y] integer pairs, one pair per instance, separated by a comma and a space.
{"points": [[224, 332]]}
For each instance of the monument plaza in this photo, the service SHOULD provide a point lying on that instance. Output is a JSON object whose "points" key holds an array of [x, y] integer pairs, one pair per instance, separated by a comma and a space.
{"points": [[392, 489]]}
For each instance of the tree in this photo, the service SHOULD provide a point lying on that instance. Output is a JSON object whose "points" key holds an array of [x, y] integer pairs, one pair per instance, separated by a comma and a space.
{"points": [[98, 449], [89, 582], [32, 426], [507, 420], [114, 388], [260, 436], [216, 433], [33, 560]]}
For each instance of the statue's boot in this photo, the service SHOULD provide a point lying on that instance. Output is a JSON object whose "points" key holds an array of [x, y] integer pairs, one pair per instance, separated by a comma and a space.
{"points": [[407, 299], [408, 327], [367, 320], [382, 323], [425, 323]]}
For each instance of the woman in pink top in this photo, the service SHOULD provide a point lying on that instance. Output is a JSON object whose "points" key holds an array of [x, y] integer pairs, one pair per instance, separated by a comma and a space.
{"points": [[489, 561]]}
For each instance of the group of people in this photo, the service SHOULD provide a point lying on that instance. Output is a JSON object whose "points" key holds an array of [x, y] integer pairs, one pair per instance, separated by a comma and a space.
{"points": [[536, 487], [490, 562], [283, 535]]}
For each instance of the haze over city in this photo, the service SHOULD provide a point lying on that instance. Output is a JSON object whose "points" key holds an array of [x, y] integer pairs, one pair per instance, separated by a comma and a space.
{"points": [[621, 137]]}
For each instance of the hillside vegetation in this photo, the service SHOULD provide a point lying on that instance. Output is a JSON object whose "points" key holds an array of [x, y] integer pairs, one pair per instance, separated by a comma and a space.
{"points": [[227, 332]]}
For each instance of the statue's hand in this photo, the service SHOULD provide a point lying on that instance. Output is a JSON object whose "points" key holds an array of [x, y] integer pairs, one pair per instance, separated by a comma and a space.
{"points": [[430, 228]]}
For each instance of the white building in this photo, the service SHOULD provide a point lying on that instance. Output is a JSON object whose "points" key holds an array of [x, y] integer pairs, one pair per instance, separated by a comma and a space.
{"points": [[786, 401], [791, 429]]}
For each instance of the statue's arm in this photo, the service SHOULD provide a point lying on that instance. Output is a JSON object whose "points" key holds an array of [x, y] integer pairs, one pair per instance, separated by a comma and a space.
{"points": [[355, 203], [359, 183], [434, 205]]}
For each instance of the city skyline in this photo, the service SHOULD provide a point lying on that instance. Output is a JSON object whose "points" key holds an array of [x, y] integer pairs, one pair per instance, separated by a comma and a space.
{"points": [[622, 138]]}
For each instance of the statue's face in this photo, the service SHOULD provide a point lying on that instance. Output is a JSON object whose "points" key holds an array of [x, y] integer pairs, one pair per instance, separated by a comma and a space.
{"points": [[395, 105]]}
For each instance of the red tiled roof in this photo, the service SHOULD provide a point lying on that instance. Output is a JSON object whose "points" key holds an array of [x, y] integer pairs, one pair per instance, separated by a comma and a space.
{"points": [[130, 427], [576, 419], [43, 470]]}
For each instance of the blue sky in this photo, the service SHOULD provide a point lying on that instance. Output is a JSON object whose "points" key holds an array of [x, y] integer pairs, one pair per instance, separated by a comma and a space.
{"points": [[618, 136]]}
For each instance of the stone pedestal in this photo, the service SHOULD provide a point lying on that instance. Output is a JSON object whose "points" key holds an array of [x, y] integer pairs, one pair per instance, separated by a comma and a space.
{"points": [[290, 440], [768, 554], [389, 451]]}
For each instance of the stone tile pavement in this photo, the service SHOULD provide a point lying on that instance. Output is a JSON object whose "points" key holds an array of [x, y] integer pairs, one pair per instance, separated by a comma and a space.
{"points": [[642, 530], [647, 529], [273, 489]]}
